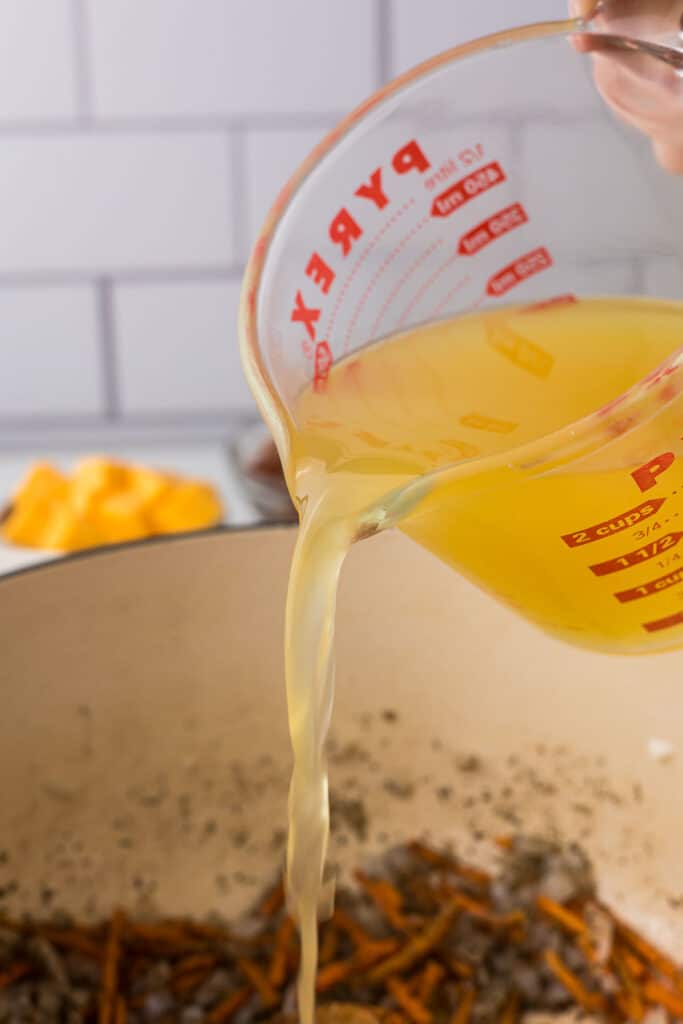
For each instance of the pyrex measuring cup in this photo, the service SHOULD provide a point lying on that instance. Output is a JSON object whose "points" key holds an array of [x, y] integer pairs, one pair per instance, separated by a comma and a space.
{"points": [[496, 174]]}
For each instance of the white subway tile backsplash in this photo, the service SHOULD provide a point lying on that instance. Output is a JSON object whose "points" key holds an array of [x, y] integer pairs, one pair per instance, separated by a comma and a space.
{"points": [[664, 278], [143, 143], [599, 278], [177, 348], [438, 25], [37, 60], [49, 363], [586, 188], [542, 75], [106, 203], [164, 58], [271, 158]]}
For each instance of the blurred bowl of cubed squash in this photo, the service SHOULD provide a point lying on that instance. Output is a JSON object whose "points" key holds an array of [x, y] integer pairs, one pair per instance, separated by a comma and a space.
{"points": [[103, 502]]}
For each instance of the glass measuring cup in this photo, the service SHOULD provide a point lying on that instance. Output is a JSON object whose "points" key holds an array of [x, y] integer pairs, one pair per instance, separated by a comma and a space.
{"points": [[495, 174]]}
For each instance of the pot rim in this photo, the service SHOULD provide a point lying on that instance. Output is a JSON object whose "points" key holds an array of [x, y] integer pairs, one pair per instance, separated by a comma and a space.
{"points": [[72, 557]]}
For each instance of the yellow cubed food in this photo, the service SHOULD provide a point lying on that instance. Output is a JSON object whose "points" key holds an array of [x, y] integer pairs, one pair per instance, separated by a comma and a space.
{"points": [[119, 518], [42, 490], [187, 506], [42, 483], [95, 478], [105, 502], [149, 485], [66, 530], [26, 522]]}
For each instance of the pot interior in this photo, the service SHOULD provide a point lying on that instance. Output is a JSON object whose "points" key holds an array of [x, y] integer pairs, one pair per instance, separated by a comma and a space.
{"points": [[144, 753]]}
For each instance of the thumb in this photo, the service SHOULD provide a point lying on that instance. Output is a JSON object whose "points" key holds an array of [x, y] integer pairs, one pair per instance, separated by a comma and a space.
{"points": [[669, 155], [583, 8]]}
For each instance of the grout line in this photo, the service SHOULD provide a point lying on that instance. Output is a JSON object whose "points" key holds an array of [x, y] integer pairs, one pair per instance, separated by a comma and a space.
{"points": [[81, 62], [179, 274], [637, 282], [517, 131], [271, 122], [207, 418], [108, 360], [154, 275], [53, 434], [291, 121], [143, 421], [517, 137], [238, 192], [385, 41]]}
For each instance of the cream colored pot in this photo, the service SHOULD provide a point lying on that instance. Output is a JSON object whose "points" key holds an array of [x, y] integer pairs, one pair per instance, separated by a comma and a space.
{"points": [[144, 752]]}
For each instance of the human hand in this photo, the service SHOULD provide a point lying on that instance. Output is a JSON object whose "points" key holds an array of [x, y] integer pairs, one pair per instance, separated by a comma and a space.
{"points": [[641, 90]]}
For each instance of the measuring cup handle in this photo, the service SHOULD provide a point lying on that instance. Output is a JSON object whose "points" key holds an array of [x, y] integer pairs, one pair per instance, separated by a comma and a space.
{"points": [[642, 81], [659, 22]]}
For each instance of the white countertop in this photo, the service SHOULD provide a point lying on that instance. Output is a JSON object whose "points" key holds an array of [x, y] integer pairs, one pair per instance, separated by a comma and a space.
{"points": [[206, 461]]}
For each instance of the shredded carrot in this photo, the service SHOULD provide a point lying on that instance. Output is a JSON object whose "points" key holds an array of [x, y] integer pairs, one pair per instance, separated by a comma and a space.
{"points": [[332, 974], [257, 978], [429, 856], [471, 874], [418, 947], [121, 1015], [202, 930], [196, 962], [185, 983], [394, 1017], [632, 998], [168, 935], [277, 972], [460, 968], [274, 901], [412, 981], [372, 952], [635, 966], [475, 908], [69, 938], [482, 910], [631, 1007], [661, 995], [350, 927], [414, 972], [447, 862], [226, 1010], [365, 956], [510, 1014], [586, 946], [431, 978], [13, 973], [12, 926], [110, 970], [649, 952], [591, 1001], [464, 1011], [567, 919], [386, 898], [411, 1006], [329, 944]]}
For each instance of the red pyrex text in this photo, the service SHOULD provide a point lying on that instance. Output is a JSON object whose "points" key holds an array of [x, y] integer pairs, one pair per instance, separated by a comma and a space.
{"points": [[615, 525], [494, 227], [343, 231], [631, 558], [469, 188], [653, 587], [526, 266]]}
